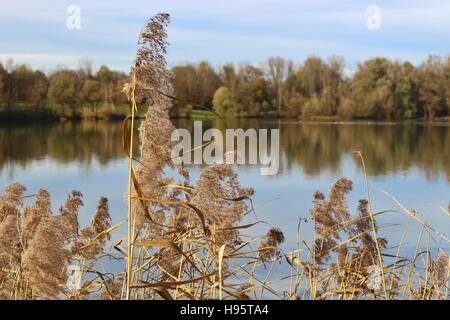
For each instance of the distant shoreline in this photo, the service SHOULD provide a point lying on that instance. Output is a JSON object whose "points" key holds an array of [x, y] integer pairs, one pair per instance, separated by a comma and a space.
{"points": [[46, 115]]}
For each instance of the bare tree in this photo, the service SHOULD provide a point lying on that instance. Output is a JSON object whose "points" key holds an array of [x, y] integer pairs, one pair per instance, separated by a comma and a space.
{"points": [[85, 68], [277, 73]]}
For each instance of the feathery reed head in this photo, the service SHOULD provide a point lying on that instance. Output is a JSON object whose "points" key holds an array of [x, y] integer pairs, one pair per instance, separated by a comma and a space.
{"points": [[268, 248], [68, 214], [11, 200], [150, 78], [92, 239], [45, 259], [33, 214]]}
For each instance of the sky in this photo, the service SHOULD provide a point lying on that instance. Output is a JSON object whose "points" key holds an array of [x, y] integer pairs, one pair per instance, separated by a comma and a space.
{"points": [[36, 32]]}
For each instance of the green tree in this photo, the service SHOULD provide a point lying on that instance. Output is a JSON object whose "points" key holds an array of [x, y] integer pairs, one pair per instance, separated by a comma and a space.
{"points": [[224, 104], [406, 90], [252, 91], [432, 91], [311, 76], [63, 90], [38, 89], [91, 94], [322, 84], [373, 89], [21, 81]]}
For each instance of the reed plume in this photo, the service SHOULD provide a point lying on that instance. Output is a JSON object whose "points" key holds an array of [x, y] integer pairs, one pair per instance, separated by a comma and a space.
{"points": [[68, 213], [439, 269], [219, 196], [45, 259], [11, 200], [92, 239], [33, 214], [268, 248], [36, 246], [328, 215], [344, 236], [110, 290], [9, 255]]}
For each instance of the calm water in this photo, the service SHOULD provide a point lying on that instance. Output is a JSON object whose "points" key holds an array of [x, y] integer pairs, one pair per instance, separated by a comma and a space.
{"points": [[410, 161]]}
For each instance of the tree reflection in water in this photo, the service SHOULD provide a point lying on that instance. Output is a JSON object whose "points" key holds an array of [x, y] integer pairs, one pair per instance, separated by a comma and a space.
{"points": [[311, 147]]}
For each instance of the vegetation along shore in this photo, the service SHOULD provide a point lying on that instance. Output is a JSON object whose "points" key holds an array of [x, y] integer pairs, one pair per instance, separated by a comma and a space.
{"points": [[378, 89]]}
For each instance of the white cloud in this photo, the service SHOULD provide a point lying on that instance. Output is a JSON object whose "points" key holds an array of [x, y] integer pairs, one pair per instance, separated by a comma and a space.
{"points": [[225, 30]]}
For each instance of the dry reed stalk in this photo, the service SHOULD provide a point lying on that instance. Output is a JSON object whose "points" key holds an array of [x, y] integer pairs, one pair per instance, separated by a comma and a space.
{"points": [[130, 225], [380, 257]]}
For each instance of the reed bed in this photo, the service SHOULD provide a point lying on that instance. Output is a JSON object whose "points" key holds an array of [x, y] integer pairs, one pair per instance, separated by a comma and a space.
{"points": [[187, 240]]}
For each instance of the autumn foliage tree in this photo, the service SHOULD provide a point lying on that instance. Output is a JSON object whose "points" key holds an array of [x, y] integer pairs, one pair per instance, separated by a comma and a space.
{"points": [[377, 88]]}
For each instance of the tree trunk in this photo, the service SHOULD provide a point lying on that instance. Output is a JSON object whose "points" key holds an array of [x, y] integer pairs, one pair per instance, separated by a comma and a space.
{"points": [[279, 101], [10, 93]]}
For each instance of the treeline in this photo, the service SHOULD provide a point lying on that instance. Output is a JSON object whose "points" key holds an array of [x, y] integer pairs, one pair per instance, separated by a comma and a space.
{"points": [[64, 92], [378, 89]]}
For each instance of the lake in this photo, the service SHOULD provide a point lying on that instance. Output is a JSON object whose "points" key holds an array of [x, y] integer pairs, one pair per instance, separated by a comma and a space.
{"points": [[409, 160]]}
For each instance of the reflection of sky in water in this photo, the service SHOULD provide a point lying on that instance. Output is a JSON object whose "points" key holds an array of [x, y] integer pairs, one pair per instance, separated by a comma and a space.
{"points": [[279, 200]]}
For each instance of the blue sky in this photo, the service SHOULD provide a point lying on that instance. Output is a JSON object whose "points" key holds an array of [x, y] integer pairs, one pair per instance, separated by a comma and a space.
{"points": [[220, 31]]}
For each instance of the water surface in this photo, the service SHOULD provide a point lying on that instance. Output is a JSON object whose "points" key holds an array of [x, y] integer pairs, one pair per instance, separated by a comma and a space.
{"points": [[409, 160]]}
